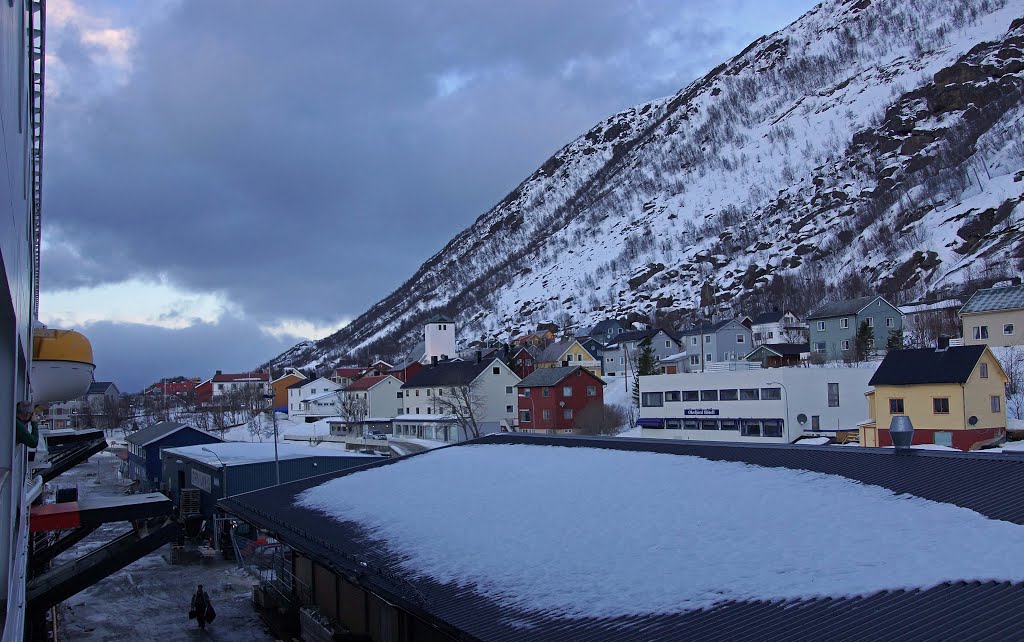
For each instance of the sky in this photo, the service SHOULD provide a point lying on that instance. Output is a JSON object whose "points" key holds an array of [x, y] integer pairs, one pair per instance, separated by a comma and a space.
{"points": [[224, 179]]}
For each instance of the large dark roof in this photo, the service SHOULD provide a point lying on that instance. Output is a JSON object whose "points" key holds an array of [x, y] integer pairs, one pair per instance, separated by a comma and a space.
{"points": [[99, 387], [768, 317], [927, 365], [708, 328], [157, 431], [448, 373], [551, 376], [601, 327], [842, 308], [639, 335], [782, 349], [1004, 298], [952, 610], [440, 318]]}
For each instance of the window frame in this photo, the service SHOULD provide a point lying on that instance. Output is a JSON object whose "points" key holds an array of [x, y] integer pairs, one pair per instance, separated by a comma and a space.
{"points": [[940, 405], [897, 406]]}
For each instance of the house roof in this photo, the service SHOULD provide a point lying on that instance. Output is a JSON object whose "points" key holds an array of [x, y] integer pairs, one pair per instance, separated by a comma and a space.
{"points": [[927, 366], [602, 327], [440, 318], [552, 376], [448, 373], [639, 335], [240, 377], [781, 349], [555, 351], [709, 328], [989, 299], [156, 432], [842, 308], [238, 453], [949, 605], [769, 317], [349, 371], [99, 387], [366, 383]]}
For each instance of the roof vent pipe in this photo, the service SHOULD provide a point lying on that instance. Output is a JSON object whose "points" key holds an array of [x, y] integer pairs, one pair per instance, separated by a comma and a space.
{"points": [[902, 432], [479, 356], [433, 360]]}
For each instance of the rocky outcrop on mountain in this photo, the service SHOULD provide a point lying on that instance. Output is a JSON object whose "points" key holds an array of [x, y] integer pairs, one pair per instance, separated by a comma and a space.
{"points": [[871, 142]]}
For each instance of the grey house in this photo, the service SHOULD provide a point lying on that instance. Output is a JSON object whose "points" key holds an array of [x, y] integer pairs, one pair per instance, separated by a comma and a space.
{"points": [[833, 326], [604, 331], [715, 343], [620, 354]]}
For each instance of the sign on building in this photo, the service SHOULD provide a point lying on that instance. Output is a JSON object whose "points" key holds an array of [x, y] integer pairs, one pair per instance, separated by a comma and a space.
{"points": [[202, 480]]}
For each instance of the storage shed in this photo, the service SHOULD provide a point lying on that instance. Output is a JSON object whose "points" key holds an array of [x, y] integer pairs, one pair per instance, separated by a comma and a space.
{"points": [[145, 445]]}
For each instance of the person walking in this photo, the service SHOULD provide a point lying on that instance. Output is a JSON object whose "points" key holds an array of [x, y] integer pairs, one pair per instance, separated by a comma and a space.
{"points": [[202, 609]]}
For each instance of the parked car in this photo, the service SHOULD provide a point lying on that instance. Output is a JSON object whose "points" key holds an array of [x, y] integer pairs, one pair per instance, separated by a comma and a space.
{"points": [[376, 434]]}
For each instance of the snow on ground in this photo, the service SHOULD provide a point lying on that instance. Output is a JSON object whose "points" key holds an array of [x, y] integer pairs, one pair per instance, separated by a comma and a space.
{"points": [[813, 441], [931, 447], [663, 549], [235, 453], [149, 599]]}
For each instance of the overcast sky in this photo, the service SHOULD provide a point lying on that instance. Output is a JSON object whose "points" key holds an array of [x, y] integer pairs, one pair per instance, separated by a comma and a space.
{"points": [[225, 178]]}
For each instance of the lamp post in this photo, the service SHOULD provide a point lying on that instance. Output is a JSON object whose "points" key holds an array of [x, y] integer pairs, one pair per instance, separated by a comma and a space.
{"points": [[785, 423], [273, 420], [533, 412], [224, 481]]}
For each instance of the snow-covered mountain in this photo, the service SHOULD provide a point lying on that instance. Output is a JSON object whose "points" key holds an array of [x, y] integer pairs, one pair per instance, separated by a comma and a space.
{"points": [[872, 143]]}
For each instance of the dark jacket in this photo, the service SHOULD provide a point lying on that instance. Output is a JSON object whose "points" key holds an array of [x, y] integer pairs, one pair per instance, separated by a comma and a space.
{"points": [[25, 436], [200, 600]]}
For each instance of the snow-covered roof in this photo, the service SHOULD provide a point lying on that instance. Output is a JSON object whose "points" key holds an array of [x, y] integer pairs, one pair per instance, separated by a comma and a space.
{"points": [[914, 308], [423, 417], [237, 453]]}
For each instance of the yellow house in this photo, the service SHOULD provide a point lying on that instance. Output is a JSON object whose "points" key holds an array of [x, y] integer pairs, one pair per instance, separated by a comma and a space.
{"points": [[954, 397], [280, 386], [571, 351]]}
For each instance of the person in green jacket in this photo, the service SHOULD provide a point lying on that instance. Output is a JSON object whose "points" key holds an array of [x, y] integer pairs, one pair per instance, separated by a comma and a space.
{"points": [[21, 424]]}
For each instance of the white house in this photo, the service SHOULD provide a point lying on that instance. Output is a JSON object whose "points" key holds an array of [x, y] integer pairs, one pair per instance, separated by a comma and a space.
{"points": [[428, 398], [314, 399], [370, 403], [778, 327], [224, 384], [775, 405]]}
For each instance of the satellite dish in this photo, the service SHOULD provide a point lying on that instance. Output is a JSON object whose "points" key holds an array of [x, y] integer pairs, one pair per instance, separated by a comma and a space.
{"points": [[973, 420], [801, 419]]}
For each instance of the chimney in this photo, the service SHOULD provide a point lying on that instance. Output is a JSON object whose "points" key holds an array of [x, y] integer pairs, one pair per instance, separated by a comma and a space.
{"points": [[433, 360], [219, 372], [942, 344], [902, 432], [479, 356]]}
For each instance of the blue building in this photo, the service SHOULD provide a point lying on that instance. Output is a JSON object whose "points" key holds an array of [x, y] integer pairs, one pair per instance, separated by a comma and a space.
{"points": [[144, 448]]}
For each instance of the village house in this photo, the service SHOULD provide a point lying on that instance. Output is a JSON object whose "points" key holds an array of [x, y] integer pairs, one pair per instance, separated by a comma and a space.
{"points": [[603, 331], [179, 386], [710, 345], [406, 369], [833, 325], [445, 399], [621, 353], [954, 397], [777, 327], [994, 316], [344, 375], [538, 338], [89, 409], [313, 399], [524, 360], [926, 322], [146, 444], [779, 355], [553, 400], [225, 384], [279, 386], [568, 352], [369, 404]]}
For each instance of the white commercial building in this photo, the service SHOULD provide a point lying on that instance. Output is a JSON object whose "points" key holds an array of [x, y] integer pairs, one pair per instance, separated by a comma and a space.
{"points": [[772, 405]]}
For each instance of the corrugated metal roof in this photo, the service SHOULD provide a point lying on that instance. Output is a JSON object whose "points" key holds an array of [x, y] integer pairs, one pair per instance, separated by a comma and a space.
{"points": [[953, 610], [149, 434], [842, 308], [989, 299]]}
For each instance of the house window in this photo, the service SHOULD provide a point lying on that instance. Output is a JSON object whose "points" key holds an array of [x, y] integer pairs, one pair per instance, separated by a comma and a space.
{"points": [[417, 393], [652, 399], [1007, 329], [622, 361], [846, 344], [773, 428], [771, 394], [940, 405], [545, 392], [983, 370], [895, 406], [980, 332], [819, 347], [844, 323], [508, 390], [496, 370], [694, 359], [708, 358], [815, 422], [668, 344], [709, 395], [871, 322], [691, 395], [707, 338], [693, 341], [672, 395], [691, 424], [428, 392], [592, 391], [751, 428], [821, 326], [729, 394], [566, 391], [997, 403], [833, 395], [749, 394], [524, 416], [546, 413], [526, 392], [889, 322], [740, 338], [508, 410], [567, 413]]}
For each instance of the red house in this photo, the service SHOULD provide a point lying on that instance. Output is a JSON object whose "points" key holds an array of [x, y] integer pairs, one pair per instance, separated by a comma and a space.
{"points": [[523, 362], [552, 399], [204, 391], [406, 371]]}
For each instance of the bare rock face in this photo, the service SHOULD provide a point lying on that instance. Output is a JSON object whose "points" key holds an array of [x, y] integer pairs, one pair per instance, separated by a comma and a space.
{"points": [[873, 142]]}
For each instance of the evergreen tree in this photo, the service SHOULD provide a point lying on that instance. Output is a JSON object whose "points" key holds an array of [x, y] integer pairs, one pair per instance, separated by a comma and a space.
{"points": [[864, 341], [646, 364], [895, 340]]}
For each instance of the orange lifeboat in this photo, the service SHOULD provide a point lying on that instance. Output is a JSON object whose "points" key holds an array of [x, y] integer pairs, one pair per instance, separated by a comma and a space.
{"points": [[62, 365]]}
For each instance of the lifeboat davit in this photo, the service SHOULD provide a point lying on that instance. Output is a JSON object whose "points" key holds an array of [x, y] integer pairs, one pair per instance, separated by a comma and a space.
{"points": [[62, 365]]}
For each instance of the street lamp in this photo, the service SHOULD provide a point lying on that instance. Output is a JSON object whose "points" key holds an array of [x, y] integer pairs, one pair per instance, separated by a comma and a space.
{"points": [[533, 412], [273, 420], [785, 423]]}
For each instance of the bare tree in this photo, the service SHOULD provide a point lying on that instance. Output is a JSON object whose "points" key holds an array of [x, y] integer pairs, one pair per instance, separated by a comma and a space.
{"points": [[353, 409], [465, 404], [113, 413], [600, 419], [1013, 365]]}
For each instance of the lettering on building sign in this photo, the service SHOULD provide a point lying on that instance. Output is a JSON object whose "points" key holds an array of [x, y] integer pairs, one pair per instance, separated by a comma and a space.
{"points": [[700, 412], [202, 480]]}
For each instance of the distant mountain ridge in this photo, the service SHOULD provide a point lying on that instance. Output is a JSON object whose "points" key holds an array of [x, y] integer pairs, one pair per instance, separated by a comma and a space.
{"points": [[872, 142]]}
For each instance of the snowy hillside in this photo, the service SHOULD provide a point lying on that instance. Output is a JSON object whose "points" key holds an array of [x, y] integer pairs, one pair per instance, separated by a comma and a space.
{"points": [[878, 141]]}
